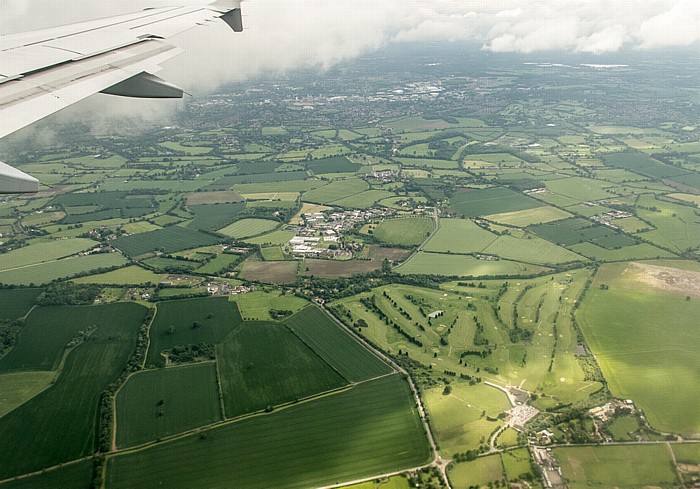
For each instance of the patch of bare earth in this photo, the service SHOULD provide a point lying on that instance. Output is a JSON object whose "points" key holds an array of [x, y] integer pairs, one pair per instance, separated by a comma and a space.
{"points": [[669, 279], [222, 197]]}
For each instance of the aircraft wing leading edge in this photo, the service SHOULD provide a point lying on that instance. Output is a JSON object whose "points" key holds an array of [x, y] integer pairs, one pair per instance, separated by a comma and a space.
{"points": [[44, 71]]}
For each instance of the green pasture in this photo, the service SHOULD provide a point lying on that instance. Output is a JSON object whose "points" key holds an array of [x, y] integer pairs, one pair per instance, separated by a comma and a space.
{"points": [[216, 265], [42, 252], [279, 237], [618, 467], [43, 273], [363, 200], [256, 306], [410, 231], [463, 266], [644, 343], [459, 236], [529, 217], [479, 472]]}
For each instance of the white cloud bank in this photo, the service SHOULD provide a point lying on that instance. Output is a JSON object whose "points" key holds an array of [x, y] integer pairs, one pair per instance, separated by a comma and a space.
{"points": [[283, 35]]}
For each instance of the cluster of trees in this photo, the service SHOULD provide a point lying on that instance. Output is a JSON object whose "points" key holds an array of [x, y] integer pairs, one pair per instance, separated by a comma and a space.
{"points": [[69, 294], [198, 352], [8, 334]]}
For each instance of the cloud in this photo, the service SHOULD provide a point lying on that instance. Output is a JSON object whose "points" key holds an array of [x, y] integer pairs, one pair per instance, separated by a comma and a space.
{"points": [[287, 35]]}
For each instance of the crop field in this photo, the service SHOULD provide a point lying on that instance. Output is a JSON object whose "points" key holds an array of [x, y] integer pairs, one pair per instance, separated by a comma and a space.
{"points": [[215, 216], [73, 476], [529, 217], [200, 198], [473, 203], [190, 150], [641, 251], [256, 306], [641, 163], [576, 230], [410, 231], [336, 190], [17, 302], [257, 178], [459, 236], [65, 414], [193, 321], [338, 164], [132, 275], [616, 467], [479, 472], [277, 272], [273, 197], [157, 403], [385, 435], [687, 453], [411, 124], [245, 228], [162, 264], [655, 366], [19, 387], [43, 252], [335, 346], [265, 364], [463, 266], [272, 253], [339, 268], [288, 186], [170, 239]]}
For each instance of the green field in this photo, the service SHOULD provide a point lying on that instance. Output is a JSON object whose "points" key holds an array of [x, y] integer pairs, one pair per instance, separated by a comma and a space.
{"points": [[43, 252], [459, 236], [216, 265], [294, 445], [497, 200], [73, 476], [363, 200], [246, 228], [335, 346], [531, 249], [645, 344], [463, 266], [273, 238], [618, 467], [457, 420], [256, 306], [132, 275], [336, 190], [43, 273], [265, 364], [479, 472], [217, 317], [410, 231], [66, 413], [272, 253], [19, 387], [17, 302], [158, 403], [529, 217], [338, 164], [170, 239], [214, 216]]}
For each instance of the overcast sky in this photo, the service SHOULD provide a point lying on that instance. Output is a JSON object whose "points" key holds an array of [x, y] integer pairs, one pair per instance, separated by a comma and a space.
{"points": [[282, 35]]}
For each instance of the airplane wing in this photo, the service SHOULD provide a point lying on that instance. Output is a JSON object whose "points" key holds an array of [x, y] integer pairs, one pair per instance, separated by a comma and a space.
{"points": [[42, 72]]}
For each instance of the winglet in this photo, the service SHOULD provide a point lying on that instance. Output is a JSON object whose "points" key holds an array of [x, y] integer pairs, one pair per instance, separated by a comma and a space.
{"points": [[13, 181], [232, 13]]}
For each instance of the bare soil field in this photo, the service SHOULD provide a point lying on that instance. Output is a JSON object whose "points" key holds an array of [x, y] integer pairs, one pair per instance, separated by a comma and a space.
{"points": [[223, 197], [669, 279]]}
